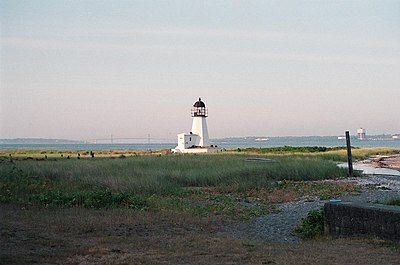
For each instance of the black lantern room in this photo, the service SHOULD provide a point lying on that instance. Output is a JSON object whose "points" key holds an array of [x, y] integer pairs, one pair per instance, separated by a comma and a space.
{"points": [[199, 109]]}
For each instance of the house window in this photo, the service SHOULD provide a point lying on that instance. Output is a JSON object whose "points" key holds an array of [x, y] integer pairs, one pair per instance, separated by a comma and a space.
{"points": [[190, 139]]}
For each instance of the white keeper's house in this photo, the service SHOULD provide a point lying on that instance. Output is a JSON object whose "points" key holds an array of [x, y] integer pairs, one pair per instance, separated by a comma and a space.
{"points": [[197, 140]]}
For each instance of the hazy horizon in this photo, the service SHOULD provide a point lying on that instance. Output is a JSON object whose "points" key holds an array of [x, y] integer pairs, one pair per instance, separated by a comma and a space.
{"points": [[157, 140], [89, 69]]}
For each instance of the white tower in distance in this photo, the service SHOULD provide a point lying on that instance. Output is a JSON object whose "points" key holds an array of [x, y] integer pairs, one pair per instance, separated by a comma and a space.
{"points": [[197, 141], [361, 134], [199, 125]]}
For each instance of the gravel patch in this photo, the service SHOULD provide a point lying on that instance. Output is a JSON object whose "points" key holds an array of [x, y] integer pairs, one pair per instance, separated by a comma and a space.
{"points": [[278, 227]]}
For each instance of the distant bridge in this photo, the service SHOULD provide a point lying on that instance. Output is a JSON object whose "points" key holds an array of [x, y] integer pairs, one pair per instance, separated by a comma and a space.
{"points": [[148, 139]]}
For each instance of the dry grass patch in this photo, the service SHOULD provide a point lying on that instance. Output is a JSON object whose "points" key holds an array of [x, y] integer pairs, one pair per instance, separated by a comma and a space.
{"points": [[287, 191], [119, 236]]}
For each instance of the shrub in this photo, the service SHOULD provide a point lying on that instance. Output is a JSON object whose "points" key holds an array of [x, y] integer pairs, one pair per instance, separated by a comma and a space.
{"points": [[89, 199], [294, 149], [312, 225], [394, 202]]}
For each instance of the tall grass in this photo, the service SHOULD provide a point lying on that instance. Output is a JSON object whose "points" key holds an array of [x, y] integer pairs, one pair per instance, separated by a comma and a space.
{"points": [[163, 181], [328, 153], [162, 175]]}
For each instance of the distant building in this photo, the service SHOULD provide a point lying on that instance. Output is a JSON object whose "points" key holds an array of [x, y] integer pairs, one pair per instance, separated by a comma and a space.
{"points": [[197, 140], [361, 134], [396, 137]]}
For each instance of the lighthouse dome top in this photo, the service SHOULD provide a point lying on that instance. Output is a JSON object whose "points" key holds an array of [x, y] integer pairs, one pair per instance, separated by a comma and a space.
{"points": [[199, 109], [199, 104]]}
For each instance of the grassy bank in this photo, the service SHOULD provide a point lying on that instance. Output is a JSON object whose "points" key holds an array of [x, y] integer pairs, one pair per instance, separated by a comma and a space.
{"points": [[328, 153], [50, 153], [197, 184]]}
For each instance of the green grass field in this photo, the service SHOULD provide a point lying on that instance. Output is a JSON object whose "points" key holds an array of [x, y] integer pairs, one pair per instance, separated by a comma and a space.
{"points": [[167, 174], [193, 183], [198, 184]]}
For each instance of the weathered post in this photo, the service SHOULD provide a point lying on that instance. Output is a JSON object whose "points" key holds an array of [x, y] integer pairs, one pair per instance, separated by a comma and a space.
{"points": [[349, 157]]}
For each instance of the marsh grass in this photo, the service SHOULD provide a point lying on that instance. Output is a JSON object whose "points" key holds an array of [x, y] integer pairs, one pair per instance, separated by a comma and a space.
{"points": [[40, 153], [155, 182], [169, 174], [328, 153]]}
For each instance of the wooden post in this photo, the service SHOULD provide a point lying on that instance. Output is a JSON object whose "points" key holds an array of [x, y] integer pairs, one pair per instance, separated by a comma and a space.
{"points": [[349, 157]]}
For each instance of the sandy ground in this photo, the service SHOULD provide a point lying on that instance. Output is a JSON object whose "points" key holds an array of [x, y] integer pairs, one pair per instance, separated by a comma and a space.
{"points": [[392, 161]]}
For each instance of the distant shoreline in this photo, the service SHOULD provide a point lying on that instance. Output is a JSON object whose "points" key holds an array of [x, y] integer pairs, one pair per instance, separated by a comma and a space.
{"points": [[255, 139], [227, 143]]}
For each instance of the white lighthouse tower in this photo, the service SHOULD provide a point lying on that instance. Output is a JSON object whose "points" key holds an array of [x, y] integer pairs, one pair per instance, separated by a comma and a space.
{"points": [[197, 141], [199, 125]]}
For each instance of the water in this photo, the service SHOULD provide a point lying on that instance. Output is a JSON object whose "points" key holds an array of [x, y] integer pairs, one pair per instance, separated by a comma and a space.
{"points": [[327, 141], [228, 143], [370, 170], [89, 146]]}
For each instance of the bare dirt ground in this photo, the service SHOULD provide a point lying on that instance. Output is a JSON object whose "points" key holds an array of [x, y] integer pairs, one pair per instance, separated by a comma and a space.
{"points": [[392, 161], [120, 236]]}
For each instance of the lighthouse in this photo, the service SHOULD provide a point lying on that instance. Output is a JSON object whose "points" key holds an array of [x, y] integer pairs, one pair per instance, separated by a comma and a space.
{"points": [[197, 140], [199, 126]]}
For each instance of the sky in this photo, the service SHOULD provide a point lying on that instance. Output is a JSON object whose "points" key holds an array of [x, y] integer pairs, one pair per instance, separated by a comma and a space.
{"points": [[89, 69]]}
